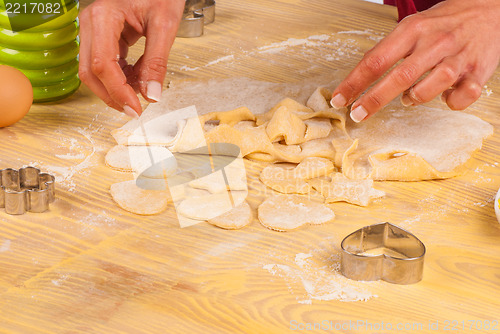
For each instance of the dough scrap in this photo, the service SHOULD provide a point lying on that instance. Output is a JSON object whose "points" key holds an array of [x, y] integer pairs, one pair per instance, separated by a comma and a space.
{"points": [[317, 128], [237, 218], [342, 189], [289, 104], [410, 144], [210, 206], [231, 117], [406, 144], [284, 125], [288, 212], [137, 200]]}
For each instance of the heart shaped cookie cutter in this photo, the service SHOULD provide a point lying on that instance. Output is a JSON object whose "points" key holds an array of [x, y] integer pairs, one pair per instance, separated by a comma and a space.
{"points": [[382, 251], [26, 189]]}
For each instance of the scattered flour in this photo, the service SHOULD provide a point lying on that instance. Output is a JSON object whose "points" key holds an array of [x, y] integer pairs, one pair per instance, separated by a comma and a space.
{"points": [[320, 282], [64, 174], [487, 90], [5, 246], [70, 156], [330, 48]]}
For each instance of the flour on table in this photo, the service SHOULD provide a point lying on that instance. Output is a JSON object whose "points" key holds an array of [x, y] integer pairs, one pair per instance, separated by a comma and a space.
{"points": [[320, 281]]}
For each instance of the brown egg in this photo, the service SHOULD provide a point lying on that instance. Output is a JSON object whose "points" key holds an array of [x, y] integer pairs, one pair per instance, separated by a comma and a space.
{"points": [[16, 95]]}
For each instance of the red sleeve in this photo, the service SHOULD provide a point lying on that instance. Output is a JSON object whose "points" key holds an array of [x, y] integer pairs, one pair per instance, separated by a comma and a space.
{"points": [[409, 7]]}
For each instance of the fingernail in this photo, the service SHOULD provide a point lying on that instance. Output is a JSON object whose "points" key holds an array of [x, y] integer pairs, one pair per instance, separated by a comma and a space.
{"points": [[130, 112], [358, 114], [406, 100], [338, 101], [154, 90]]}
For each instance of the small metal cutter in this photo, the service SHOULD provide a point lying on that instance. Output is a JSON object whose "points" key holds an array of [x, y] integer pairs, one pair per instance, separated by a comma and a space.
{"points": [[197, 14], [26, 189], [382, 251]]}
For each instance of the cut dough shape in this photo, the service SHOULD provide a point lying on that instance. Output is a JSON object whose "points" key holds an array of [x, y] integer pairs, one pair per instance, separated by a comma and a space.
{"points": [[237, 218], [342, 189], [138, 159], [137, 200], [210, 206], [118, 158], [289, 212]]}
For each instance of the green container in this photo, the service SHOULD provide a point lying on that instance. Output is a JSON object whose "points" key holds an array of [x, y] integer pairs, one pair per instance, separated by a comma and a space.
{"points": [[40, 38]]}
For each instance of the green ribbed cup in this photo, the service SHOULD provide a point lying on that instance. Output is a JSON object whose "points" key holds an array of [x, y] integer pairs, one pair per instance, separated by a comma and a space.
{"points": [[44, 46]]}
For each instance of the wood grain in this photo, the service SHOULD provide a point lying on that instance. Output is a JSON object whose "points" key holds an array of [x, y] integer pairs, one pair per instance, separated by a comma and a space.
{"points": [[89, 267]]}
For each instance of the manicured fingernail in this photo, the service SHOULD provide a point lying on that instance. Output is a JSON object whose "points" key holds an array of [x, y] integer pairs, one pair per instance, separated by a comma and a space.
{"points": [[406, 100], [154, 90], [338, 101], [130, 112], [358, 114]]}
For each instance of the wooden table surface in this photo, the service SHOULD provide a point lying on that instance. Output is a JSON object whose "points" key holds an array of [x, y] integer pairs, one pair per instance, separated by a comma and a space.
{"points": [[87, 266]]}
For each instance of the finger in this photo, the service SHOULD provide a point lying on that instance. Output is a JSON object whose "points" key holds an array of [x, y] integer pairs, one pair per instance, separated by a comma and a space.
{"points": [[84, 71], [398, 80], [160, 35], [129, 37], [105, 55], [464, 93], [441, 78], [374, 64]]}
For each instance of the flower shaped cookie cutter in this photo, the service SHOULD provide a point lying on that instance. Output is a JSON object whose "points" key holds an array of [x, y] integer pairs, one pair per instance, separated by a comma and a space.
{"points": [[382, 251], [26, 189], [197, 14]]}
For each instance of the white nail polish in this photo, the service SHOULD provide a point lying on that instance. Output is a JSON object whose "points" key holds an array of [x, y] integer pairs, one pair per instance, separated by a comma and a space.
{"points": [[130, 112], [154, 90], [358, 114], [406, 100], [338, 101]]}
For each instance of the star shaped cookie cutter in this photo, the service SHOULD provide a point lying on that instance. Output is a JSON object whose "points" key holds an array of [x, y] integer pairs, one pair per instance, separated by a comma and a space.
{"points": [[197, 14], [382, 251], [26, 189]]}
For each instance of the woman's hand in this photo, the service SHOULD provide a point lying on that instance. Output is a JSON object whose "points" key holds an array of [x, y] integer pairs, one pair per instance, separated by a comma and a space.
{"points": [[456, 41], [107, 29]]}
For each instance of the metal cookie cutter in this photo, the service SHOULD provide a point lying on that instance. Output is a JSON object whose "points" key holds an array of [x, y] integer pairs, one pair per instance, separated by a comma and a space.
{"points": [[197, 13], [26, 189], [382, 251]]}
